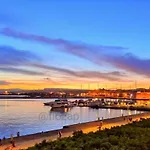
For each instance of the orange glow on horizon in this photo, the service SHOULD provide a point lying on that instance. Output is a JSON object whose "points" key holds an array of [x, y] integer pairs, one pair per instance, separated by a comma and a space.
{"points": [[42, 85]]}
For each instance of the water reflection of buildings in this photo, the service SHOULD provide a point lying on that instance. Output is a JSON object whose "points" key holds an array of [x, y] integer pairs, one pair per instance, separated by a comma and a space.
{"points": [[112, 93], [62, 110], [129, 94], [140, 96]]}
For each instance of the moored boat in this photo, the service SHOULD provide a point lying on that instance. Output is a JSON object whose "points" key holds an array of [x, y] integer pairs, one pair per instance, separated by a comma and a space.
{"points": [[59, 103]]}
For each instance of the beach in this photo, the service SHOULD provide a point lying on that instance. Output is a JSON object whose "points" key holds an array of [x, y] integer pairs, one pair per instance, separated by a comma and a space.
{"points": [[26, 141]]}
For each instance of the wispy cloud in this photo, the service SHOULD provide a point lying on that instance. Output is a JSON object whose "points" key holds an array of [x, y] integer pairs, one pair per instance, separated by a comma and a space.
{"points": [[109, 55], [2, 82], [82, 50], [20, 71], [50, 68], [131, 63], [12, 56], [111, 76]]}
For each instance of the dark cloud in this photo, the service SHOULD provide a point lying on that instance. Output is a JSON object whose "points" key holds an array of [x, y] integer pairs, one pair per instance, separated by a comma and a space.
{"points": [[111, 55], [82, 50], [96, 74], [111, 76], [2, 82], [47, 79], [95, 54], [20, 71], [131, 63], [117, 73], [14, 57], [11, 58], [62, 70]]}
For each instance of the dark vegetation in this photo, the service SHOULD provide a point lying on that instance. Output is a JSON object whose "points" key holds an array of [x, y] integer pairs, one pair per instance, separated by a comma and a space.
{"points": [[135, 136]]}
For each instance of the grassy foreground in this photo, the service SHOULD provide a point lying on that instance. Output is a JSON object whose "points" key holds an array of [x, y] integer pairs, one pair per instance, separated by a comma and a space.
{"points": [[135, 136]]}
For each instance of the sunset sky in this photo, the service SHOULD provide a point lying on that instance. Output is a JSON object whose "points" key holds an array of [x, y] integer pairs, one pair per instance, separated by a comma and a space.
{"points": [[65, 43]]}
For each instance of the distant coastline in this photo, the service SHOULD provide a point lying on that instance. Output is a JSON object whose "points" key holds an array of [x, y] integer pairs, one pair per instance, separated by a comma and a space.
{"points": [[72, 97]]}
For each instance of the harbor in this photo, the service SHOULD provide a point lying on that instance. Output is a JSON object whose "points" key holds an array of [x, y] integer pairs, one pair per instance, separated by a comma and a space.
{"points": [[125, 104], [36, 120], [74, 75], [31, 116]]}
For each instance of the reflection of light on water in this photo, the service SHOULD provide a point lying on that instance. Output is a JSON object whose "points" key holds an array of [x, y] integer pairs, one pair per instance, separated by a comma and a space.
{"points": [[129, 112], [66, 110], [121, 111], [6, 104], [61, 110], [29, 122], [109, 111], [80, 114], [97, 115]]}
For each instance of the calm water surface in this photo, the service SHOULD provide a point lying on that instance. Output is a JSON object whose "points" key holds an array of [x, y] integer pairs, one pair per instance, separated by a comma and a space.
{"points": [[31, 116]]}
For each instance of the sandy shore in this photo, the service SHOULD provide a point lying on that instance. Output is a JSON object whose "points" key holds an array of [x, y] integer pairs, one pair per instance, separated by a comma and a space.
{"points": [[24, 142]]}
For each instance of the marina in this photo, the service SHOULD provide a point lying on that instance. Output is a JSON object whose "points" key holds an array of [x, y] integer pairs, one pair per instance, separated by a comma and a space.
{"points": [[74, 75], [31, 116], [125, 104]]}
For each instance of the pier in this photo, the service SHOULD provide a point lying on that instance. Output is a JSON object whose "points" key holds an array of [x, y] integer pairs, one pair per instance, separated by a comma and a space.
{"points": [[111, 103], [125, 104]]}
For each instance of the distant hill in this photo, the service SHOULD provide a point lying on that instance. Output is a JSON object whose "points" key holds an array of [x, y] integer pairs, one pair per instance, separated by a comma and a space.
{"points": [[44, 90]]}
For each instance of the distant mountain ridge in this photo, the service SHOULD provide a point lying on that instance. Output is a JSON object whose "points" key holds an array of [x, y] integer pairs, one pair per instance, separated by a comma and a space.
{"points": [[44, 90]]}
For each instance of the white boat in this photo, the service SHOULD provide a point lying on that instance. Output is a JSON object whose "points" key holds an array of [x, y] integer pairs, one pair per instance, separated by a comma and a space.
{"points": [[95, 102], [59, 103]]}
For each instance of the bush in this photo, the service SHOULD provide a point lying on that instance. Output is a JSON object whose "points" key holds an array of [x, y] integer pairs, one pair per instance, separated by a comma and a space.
{"points": [[135, 136]]}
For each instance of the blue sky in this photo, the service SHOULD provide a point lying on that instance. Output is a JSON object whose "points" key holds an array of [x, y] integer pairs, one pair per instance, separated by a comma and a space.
{"points": [[86, 27]]}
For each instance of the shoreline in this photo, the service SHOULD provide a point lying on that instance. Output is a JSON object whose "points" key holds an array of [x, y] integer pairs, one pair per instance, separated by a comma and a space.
{"points": [[26, 141], [77, 97], [138, 108]]}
